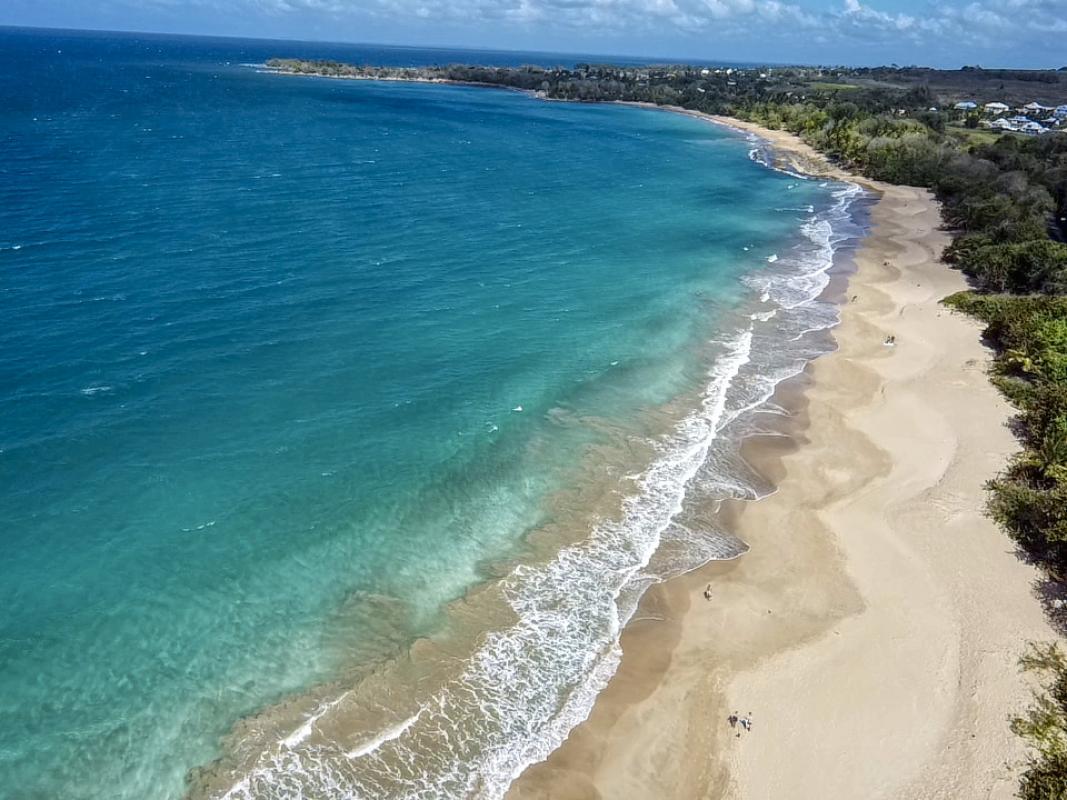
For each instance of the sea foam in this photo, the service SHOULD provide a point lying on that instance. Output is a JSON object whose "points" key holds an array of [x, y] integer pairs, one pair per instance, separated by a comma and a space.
{"points": [[527, 685]]}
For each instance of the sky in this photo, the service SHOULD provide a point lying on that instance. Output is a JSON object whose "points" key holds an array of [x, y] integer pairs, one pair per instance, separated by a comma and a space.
{"points": [[952, 33]]}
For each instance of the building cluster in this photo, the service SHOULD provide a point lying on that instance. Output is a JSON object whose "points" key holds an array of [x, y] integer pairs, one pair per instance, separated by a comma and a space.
{"points": [[1032, 118]]}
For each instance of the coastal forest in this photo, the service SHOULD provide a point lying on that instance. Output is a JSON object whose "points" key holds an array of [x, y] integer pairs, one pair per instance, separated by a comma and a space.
{"points": [[1003, 196]]}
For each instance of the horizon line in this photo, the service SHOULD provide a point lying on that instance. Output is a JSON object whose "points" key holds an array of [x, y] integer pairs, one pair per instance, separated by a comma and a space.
{"points": [[653, 60]]}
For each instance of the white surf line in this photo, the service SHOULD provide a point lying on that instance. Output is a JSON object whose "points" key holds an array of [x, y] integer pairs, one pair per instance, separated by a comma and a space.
{"points": [[304, 731], [388, 735]]}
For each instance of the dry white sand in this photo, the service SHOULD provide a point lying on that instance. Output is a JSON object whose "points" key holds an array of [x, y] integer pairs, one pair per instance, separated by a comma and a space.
{"points": [[874, 628], [910, 696]]}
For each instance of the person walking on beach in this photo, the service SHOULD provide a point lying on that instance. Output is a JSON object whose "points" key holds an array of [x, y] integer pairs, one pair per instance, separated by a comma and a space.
{"points": [[707, 592]]}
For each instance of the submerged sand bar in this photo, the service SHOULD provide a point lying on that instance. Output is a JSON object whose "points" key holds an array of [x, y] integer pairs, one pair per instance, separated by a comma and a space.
{"points": [[873, 629]]}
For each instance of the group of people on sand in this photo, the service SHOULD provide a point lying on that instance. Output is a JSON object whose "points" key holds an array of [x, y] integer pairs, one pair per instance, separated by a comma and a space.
{"points": [[737, 722], [740, 723]]}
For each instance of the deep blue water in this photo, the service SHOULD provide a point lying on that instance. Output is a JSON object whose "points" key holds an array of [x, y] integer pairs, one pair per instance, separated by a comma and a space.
{"points": [[265, 344]]}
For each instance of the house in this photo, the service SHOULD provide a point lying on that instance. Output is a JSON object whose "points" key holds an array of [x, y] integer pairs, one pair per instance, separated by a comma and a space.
{"points": [[1061, 112], [1033, 128], [995, 108], [966, 105], [1035, 106], [1019, 118], [1001, 125]]}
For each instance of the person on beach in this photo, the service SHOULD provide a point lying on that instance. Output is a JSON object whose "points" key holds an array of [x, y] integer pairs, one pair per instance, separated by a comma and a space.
{"points": [[707, 592]]}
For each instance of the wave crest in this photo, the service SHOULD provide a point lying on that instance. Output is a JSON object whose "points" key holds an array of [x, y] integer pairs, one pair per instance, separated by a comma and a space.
{"points": [[528, 683]]}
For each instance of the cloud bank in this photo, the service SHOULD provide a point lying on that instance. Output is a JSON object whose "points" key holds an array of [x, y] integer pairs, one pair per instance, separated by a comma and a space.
{"points": [[951, 33]]}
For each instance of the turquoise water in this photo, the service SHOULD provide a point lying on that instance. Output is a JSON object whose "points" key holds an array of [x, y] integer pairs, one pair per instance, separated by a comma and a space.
{"points": [[288, 364]]}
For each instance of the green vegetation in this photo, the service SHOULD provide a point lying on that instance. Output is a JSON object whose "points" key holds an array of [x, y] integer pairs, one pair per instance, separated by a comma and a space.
{"points": [[826, 86], [1045, 726], [969, 136], [1006, 201], [1030, 499]]}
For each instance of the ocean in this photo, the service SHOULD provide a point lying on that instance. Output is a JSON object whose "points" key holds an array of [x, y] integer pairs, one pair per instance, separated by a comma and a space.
{"points": [[342, 424]]}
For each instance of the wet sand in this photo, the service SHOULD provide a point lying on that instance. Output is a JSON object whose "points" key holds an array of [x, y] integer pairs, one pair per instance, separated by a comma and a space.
{"points": [[873, 629]]}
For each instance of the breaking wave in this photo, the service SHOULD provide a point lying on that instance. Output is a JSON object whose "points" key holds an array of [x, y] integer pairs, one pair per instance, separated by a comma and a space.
{"points": [[529, 682]]}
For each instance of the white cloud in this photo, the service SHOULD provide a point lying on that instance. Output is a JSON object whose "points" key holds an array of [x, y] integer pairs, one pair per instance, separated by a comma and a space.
{"points": [[970, 26], [692, 16]]}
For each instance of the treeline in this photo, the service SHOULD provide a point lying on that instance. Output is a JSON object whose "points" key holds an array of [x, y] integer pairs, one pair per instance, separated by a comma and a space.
{"points": [[700, 89], [1032, 75], [527, 78]]}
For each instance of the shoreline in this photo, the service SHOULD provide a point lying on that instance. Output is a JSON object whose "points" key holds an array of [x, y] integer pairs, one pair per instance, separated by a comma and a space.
{"points": [[875, 643], [659, 730], [317, 717], [386, 79], [788, 152]]}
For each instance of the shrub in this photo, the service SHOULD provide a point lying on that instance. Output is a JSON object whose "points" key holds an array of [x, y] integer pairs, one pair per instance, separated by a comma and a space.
{"points": [[1039, 265], [1044, 726]]}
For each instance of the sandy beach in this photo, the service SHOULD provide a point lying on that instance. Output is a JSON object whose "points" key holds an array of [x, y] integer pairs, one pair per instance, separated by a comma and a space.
{"points": [[873, 630]]}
